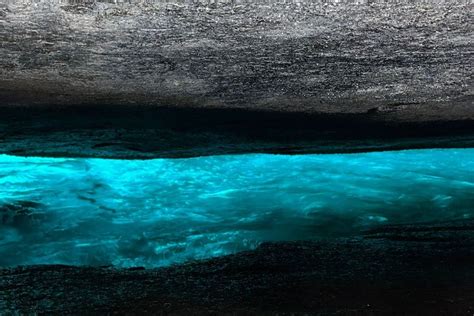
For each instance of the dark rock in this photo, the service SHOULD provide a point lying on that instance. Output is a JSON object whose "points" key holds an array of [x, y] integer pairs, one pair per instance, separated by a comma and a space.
{"points": [[20, 214], [124, 132], [376, 275]]}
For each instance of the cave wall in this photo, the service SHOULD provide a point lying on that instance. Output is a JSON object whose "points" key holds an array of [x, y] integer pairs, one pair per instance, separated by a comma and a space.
{"points": [[394, 64]]}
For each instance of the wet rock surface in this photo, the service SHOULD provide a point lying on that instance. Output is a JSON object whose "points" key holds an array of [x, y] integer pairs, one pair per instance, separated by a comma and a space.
{"points": [[19, 214], [372, 273]]}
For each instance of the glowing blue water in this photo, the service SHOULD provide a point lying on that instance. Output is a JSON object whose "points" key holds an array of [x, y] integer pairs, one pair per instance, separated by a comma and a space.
{"points": [[157, 212]]}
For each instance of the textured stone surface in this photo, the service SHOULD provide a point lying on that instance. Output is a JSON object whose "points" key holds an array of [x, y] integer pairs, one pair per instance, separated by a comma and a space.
{"points": [[415, 269], [364, 71], [290, 56]]}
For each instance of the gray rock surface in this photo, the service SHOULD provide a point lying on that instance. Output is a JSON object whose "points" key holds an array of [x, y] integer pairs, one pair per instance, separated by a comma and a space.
{"points": [[291, 56], [281, 55], [390, 68]]}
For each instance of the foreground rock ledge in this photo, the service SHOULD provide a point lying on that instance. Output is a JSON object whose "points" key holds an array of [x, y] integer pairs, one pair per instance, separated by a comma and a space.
{"points": [[407, 269]]}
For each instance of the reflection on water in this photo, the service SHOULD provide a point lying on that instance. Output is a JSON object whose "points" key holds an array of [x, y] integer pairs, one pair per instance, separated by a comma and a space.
{"points": [[163, 211]]}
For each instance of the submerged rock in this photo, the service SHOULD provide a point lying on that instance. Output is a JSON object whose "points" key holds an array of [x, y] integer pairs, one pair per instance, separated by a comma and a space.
{"points": [[20, 214]]}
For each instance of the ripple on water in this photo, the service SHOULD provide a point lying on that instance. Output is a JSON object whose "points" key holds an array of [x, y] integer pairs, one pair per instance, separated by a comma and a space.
{"points": [[164, 211]]}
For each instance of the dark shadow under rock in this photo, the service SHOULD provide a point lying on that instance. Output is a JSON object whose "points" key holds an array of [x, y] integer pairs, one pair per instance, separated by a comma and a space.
{"points": [[153, 132]]}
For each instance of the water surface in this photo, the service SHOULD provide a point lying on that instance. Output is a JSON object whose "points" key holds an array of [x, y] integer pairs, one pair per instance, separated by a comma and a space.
{"points": [[164, 211]]}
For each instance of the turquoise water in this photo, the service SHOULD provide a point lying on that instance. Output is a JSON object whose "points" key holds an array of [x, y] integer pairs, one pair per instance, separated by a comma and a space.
{"points": [[164, 211]]}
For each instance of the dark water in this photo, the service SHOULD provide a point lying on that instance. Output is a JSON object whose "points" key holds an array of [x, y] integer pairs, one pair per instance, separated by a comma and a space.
{"points": [[164, 211]]}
